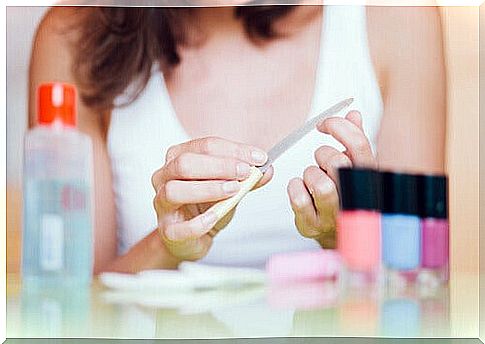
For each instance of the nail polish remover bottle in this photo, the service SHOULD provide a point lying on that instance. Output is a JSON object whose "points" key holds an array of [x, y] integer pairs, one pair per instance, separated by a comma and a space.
{"points": [[358, 222], [433, 204], [401, 225], [57, 215]]}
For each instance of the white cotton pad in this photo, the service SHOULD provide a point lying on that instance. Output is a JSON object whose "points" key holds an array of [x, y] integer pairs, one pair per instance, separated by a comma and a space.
{"points": [[218, 276], [303, 266], [159, 280], [189, 276]]}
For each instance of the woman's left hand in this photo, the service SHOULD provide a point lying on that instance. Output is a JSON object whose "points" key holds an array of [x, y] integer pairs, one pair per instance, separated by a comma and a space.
{"points": [[314, 198]]}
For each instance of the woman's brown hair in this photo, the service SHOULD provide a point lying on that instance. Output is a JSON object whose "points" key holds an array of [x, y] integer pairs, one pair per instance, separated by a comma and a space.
{"points": [[117, 46]]}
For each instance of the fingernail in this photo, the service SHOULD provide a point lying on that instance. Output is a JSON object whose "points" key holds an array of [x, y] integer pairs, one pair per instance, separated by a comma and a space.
{"points": [[242, 170], [209, 219], [170, 235], [259, 157], [230, 187]]}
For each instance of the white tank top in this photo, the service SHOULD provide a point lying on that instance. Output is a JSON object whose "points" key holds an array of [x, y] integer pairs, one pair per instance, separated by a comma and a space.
{"points": [[140, 134]]}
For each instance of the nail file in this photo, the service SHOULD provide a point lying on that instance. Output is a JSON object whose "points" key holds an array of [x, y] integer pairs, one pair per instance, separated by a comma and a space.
{"points": [[223, 207]]}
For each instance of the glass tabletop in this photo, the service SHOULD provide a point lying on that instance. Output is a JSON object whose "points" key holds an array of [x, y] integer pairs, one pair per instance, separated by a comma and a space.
{"points": [[316, 308]]}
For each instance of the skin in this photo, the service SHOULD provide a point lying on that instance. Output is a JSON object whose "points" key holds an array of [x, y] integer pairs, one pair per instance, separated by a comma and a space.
{"points": [[270, 92]]}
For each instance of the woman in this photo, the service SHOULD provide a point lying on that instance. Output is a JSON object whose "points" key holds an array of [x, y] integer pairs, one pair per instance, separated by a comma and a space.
{"points": [[180, 102]]}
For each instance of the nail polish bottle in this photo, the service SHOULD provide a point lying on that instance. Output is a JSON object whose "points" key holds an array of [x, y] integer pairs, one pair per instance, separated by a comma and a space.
{"points": [[401, 225], [433, 206], [358, 222]]}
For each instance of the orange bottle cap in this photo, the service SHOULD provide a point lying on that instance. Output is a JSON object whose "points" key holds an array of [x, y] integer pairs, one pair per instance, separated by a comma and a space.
{"points": [[56, 102]]}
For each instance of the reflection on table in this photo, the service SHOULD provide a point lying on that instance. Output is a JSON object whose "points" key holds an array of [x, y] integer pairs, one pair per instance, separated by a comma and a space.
{"points": [[318, 308]]}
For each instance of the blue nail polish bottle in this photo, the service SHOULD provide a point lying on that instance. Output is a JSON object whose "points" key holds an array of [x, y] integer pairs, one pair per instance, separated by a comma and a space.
{"points": [[401, 226]]}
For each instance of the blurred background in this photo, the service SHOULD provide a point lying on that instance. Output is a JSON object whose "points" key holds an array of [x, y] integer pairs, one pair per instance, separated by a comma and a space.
{"points": [[461, 34]]}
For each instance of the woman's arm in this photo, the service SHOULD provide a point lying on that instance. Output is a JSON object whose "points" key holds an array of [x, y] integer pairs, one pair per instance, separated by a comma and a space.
{"points": [[407, 48], [51, 60]]}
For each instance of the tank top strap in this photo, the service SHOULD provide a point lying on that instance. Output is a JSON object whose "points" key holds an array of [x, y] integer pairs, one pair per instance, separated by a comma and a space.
{"points": [[345, 68]]}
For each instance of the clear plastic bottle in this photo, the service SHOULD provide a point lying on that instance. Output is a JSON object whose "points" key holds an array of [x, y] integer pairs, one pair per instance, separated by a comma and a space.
{"points": [[57, 240]]}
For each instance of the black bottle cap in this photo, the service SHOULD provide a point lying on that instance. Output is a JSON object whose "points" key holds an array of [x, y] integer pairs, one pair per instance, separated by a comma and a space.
{"points": [[433, 196], [399, 193], [358, 188]]}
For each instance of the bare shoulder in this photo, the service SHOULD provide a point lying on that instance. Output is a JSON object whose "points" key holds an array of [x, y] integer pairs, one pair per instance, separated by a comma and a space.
{"points": [[57, 18], [399, 33], [400, 17], [52, 59], [51, 50]]}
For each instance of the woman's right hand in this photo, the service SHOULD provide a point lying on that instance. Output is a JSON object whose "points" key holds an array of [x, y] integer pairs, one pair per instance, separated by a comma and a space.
{"points": [[197, 174]]}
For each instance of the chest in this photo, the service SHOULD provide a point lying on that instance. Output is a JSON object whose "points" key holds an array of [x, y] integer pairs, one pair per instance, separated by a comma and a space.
{"points": [[246, 93]]}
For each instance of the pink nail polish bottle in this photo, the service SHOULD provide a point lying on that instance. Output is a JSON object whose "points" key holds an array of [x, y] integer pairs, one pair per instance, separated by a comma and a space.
{"points": [[434, 229], [358, 222]]}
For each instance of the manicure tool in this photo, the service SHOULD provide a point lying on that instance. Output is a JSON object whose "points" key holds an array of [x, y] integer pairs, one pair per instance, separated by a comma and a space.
{"points": [[223, 207]]}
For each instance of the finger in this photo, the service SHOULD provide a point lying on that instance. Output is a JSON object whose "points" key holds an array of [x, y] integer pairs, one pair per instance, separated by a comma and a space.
{"points": [[192, 192], [352, 137], [302, 204], [356, 118], [222, 148], [157, 179], [192, 166], [324, 193], [330, 160], [191, 229], [267, 176]]}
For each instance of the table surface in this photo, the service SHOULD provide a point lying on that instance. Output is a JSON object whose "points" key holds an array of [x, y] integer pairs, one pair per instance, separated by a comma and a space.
{"points": [[319, 308]]}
